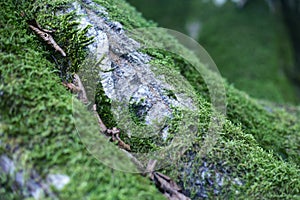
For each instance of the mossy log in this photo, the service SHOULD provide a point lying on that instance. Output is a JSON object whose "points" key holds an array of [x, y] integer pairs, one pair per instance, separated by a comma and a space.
{"points": [[255, 156]]}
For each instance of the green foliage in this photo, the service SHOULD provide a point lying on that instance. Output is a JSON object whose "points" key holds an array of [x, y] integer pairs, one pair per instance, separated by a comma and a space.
{"points": [[273, 128], [104, 107], [6, 191], [137, 116]]}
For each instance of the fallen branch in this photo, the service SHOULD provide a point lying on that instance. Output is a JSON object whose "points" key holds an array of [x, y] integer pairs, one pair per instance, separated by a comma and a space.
{"points": [[71, 87]]}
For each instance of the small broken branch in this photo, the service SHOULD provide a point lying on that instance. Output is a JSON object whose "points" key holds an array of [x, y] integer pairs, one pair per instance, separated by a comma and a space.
{"points": [[100, 122], [45, 35], [71, 87], [169, 188], [33, 22], [82, 93], [165, 184], [115, 137]]}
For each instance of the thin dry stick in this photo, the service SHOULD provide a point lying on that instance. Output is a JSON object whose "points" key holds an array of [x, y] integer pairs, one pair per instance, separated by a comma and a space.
{"points": [[36, 24], [71, 87], [82, 93], [170, 189], [150, 168], [121, 144], [46, 37], [100, 122]]}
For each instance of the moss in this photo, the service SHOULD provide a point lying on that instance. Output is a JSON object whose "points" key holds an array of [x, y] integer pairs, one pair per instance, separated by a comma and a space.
{"points": [[66, 34], [271, 127], [254, 134], [136, 109], [6, 191], [37, 113], [272, 130], [104, 107]]}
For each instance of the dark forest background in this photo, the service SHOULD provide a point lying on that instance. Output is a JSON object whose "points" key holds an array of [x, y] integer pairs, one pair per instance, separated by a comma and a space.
{"points": [[255, 43]]}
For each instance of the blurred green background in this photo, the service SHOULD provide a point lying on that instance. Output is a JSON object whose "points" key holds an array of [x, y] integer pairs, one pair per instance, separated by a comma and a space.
{"points": [[251, 46]]}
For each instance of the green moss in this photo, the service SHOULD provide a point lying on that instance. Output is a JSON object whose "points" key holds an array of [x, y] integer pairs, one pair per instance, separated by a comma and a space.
{"points": [[37, 113], [104, 107], [6, 191], [66, 34], [135, 108], [271, 127], [254, 134]]}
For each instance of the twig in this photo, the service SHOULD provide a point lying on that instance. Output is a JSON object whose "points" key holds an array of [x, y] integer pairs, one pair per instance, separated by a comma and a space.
{"points": [[100, 122], [45, 35], [33, 22], [71, 87], [168, 187], [82, 93], [150, 168], [115, 137]]}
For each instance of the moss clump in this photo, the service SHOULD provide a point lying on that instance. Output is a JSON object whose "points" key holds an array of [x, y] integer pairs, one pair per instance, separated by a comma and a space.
{"points": [[104, 107], [252, 134], [136, 110], [273, 128], [6, 191], [66, 34]]}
